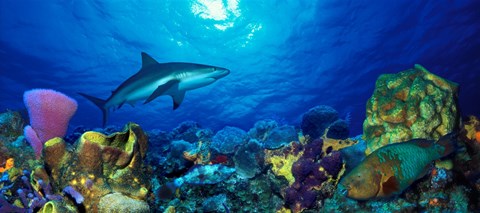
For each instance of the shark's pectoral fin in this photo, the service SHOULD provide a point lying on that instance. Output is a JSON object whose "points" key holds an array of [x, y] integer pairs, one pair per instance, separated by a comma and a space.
{"points": [[178, 99], [162, 89]]}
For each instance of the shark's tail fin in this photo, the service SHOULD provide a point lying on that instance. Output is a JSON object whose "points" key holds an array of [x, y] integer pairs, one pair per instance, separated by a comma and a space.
{"points": [[100, 104]]}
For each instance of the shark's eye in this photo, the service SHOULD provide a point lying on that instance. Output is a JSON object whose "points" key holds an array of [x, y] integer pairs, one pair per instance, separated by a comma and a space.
{"points": [[214, 69]]}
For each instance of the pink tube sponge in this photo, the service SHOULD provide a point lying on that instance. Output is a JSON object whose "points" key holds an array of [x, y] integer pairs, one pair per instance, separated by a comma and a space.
{"points": [[34, 141], [50, 112]]}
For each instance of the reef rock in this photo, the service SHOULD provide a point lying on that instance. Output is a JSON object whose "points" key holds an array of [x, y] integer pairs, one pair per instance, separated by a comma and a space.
{"points": [[411, 104]]}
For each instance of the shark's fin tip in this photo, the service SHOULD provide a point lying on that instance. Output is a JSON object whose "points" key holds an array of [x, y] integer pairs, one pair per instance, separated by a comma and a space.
{"points": [[147, 60]]}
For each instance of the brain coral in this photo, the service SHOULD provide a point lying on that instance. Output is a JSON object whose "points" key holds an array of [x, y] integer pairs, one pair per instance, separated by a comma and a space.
{"points": [[411, 104], [228, 139]]}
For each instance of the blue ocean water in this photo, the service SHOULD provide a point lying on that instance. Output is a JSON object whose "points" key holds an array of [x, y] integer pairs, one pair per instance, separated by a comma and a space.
{"points": [[285, 57]]}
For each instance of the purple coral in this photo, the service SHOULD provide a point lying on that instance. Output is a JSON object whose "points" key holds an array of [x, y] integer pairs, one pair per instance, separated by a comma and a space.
{"points": [[332, 163], [313, 149], [74, 194], [301, 199], [311, 170], [30, 198]]}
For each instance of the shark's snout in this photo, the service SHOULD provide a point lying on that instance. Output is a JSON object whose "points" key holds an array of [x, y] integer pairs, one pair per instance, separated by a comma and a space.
{"points": [[220, 73]]}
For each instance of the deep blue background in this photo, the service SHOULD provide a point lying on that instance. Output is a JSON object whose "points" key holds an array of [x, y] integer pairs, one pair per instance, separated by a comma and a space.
{"points": [[285, 56]]}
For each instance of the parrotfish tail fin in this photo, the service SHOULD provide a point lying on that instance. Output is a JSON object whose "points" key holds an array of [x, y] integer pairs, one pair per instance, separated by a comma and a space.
{"points": [[100, 104], [447, 144]]}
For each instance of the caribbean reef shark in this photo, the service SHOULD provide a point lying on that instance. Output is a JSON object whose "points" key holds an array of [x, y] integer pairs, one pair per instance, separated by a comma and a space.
{"points": [[155, 79]]}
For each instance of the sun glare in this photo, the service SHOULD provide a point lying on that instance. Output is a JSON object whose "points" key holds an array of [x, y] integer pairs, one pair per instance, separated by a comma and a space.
{"points": [[224, 12]]}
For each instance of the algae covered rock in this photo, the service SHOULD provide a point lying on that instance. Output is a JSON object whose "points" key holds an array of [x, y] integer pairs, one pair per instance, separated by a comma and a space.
{"points": [[411, 104]]}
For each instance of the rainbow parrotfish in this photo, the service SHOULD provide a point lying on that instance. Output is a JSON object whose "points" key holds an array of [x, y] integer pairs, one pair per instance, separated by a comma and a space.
{"points": [[391, 169]]}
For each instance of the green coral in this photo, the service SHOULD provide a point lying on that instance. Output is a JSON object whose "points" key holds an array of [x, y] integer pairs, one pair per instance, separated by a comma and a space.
{"points": [[411, 104]]}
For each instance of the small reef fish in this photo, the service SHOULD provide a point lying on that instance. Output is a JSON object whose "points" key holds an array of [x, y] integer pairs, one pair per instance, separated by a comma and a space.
{"points": [[391, 169], [156, 79]]}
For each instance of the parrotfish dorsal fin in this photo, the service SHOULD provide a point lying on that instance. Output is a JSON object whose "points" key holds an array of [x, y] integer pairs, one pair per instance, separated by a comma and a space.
{"points": [[390, 186], [147, 60]]}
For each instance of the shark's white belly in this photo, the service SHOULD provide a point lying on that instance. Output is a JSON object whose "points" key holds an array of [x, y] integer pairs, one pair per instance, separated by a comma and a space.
{"points": [[146, 90], [194, 83]]}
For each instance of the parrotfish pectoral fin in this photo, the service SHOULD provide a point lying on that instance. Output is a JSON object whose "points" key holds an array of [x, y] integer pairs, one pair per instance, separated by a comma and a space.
{"points": [[447, 144], [162, 89], [178, 99], [100, 103], [390, 186], [147, 60]]}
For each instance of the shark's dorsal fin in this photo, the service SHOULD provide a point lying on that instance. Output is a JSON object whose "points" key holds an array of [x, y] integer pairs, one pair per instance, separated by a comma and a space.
{"points": [[147, 60], [178, 99], [162, 89]]}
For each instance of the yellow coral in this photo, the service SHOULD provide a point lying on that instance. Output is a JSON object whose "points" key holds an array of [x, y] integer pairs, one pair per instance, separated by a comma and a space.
{"points": [[336, 144], [284, 210], [10, 163], [282, 163], [445, 164], [471, 126]]}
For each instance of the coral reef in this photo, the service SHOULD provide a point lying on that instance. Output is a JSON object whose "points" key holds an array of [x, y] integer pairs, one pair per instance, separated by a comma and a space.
{"points": [[411, 104], [25, 192], [117, 202], [228, 139], [261, 129], [12, 143], [100, 165], [317, 120], [282, 160], [315, 172], [186, 131], [280, 136], [249, 159], [324, 121], [175, 161], [468, 162], [50, 112], [338, 130], [215, 203], [11, 125]]}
